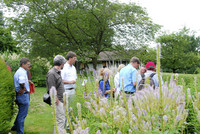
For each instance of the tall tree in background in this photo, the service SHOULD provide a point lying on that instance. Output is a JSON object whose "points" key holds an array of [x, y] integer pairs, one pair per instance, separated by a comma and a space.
{"points": [[87, 27], [6, 40], [180, 52]]}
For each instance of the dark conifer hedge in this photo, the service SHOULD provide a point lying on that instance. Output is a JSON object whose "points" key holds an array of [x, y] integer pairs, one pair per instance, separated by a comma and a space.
{"points": [[7, 96]]}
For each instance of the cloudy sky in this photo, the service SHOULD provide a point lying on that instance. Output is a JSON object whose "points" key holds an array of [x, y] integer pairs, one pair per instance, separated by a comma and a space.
{"points": [[173, 14]]}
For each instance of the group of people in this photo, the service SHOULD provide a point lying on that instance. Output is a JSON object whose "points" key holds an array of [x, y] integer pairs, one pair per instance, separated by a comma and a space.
{"points": [[128, 77], [63, 77]]}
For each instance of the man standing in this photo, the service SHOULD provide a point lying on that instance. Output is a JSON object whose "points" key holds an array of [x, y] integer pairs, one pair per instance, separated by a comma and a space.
{"points": [[54, 79], [22, 95], [69, 75], [127, 76]]}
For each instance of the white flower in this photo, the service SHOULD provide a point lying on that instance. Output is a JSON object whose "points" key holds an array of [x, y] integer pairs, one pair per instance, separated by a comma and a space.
{"points": [[165, 118]]}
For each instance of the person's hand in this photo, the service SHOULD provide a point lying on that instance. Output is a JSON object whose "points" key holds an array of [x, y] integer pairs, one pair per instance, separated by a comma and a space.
{"points": [[21, 91], [57, 101], [114, 89], [30, 82], [73, 82]]}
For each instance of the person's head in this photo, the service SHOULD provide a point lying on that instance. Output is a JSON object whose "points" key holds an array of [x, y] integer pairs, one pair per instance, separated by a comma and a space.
{"points": [[150, 66], [24, 63], [29, 68], [59, 60], [71, 57], [143, 70], [135, 62], [105, 73], [120, 67]]}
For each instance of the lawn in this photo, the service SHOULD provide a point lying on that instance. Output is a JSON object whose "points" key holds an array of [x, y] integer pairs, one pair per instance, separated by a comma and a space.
{"points": [[39, 118]]}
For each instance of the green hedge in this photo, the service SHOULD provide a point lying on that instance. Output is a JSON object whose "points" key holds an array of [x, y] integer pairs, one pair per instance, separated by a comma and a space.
{"points": [[188, 80], [7, 95]]}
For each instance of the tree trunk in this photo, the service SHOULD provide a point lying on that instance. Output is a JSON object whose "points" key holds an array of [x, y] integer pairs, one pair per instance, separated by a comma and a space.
{"points": [[94, 62]]}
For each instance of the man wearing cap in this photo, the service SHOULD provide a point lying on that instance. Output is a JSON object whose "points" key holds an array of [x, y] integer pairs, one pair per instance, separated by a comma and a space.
{"points": [[150, 70], [127, 76]]}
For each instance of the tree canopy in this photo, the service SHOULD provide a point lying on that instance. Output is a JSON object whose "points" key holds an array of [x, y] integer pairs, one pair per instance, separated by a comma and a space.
{"points": [[180, 52], [7, 42], [87, 27]]}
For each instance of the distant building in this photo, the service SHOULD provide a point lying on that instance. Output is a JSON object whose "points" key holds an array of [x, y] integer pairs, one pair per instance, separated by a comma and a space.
{"points": [[106, 59]]}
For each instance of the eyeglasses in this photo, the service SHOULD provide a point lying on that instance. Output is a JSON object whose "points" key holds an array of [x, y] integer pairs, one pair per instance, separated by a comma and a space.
{"points": [[30, 65]]}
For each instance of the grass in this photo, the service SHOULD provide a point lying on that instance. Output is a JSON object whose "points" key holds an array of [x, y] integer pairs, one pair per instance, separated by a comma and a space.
{"points": [[39, 119]]}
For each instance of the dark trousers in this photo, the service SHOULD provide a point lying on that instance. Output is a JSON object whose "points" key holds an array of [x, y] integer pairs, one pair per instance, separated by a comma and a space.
{"points": [[23, 105]]}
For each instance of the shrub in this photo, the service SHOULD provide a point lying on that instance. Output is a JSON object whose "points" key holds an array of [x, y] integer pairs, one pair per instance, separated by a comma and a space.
{"points": [[7, 97], [38, 71], [40, 67], [12, 60]]}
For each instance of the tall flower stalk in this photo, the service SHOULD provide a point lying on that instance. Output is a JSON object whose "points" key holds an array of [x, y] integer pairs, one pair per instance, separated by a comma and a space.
{"points": [[53, 94], [80, 115], [67, 112], [160, 85]]}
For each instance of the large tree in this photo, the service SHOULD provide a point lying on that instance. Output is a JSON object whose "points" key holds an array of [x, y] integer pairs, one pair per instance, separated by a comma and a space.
{"points": [[87, 27], [7, 42], [180, 51]]}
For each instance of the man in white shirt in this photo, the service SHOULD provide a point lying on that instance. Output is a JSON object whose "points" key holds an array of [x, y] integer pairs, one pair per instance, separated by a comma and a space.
{"points": [[69, 76], [68, 73]]}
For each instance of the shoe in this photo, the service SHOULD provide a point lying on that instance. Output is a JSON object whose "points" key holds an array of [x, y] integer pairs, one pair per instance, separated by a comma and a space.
{"points": [[13, 128]]}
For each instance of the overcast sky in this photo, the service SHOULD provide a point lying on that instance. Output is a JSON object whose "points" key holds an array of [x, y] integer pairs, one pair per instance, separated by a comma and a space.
{"points": [[173, 14]]}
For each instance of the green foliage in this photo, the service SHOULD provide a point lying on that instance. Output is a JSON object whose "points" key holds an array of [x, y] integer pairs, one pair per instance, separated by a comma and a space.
{"points": [[1, 19], [192, 125], [188, 80], [7, 43], [7, 97], [12, 60], [180, 52], [87, 27], [41, 111], [40, 67]]}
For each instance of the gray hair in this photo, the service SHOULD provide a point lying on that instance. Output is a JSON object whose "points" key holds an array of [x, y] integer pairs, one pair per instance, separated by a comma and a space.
{"points": [[23, 60], [58, 60]]}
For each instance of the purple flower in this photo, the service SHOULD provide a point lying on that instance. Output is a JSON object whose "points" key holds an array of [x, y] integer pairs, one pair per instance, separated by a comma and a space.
{"points": [[178, 118], [165, 118], [119, 132], [98, 132], [94, 74], [89, 79], [88, 96]]}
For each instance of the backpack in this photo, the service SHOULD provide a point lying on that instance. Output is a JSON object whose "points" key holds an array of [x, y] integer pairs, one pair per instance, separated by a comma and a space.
{"points": [[141, 84]]}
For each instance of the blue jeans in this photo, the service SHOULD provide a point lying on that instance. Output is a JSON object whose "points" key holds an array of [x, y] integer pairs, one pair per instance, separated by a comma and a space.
{"points": [[23, 104]]}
